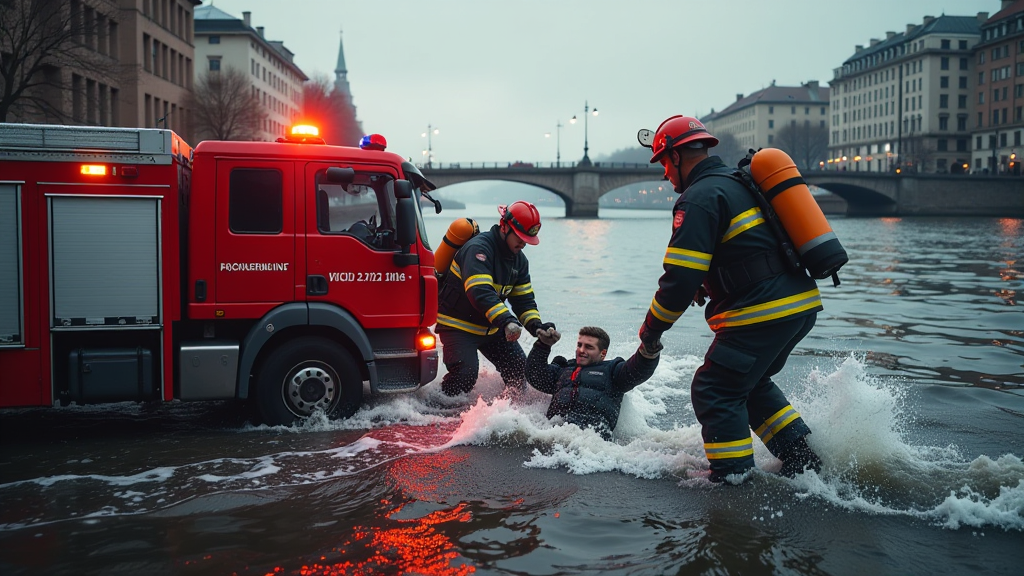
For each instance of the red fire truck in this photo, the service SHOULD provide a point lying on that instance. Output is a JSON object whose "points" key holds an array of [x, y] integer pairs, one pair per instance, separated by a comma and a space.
{"points": [[135, 268]]}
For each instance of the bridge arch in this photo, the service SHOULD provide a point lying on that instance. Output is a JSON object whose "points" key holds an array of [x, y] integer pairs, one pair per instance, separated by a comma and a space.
{"points": [[858, 196], [552, 187]]}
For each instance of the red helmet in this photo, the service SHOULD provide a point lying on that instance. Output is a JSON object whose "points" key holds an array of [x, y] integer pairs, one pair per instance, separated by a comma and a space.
{"points": [[676, 131], [524, 219]]}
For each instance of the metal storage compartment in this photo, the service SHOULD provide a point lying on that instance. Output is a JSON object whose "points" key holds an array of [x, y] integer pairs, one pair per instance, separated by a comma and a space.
{"points": [[11, 299], [208, 370], [110, 375], [105, 261]]}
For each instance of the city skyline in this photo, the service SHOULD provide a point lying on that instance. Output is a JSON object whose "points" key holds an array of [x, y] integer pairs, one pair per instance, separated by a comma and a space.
{"points": [[494, 80]]}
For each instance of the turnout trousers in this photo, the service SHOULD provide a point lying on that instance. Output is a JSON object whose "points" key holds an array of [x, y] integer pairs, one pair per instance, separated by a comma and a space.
{"points": [[459, 353], [733, 392]]}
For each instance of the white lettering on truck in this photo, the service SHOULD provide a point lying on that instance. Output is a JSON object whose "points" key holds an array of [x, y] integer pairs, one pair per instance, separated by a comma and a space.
{"points": [[254, 266]]}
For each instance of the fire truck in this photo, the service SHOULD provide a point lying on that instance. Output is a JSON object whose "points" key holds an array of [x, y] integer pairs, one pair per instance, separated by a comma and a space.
{"points": [[289, 274]]}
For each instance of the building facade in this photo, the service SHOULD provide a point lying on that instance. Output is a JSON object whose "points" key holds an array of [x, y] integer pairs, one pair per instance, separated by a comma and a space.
{"points": [[756, 119], [158, 37], [999, 92], [130, 65], [223, 41], [903, 102]]}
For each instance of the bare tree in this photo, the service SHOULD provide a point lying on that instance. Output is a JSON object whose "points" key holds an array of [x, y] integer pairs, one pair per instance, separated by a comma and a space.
{"points": [[807, 144], [331, 111], [39, 39], [919, 154], [728, 149], [224, 107]]}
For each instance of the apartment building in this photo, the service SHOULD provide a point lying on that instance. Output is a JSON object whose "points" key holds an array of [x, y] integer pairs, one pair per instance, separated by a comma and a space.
{"points": [[158, 40], [224, 41], [754, 120], [134, 70], [903, 102], [999, 91]]}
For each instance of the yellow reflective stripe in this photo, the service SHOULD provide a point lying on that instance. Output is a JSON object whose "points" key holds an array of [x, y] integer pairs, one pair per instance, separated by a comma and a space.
{"points": [[664, 314], [777, 422], [529, 315], [522, 289], [495, 311], [768, 311], [477, 280], [688, 258], [456, 270], [734, 449], [744, 221], [464, 326]]}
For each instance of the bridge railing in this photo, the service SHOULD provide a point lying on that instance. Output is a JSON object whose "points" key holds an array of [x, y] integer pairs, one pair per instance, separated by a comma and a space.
{"points": [[532, 165]]}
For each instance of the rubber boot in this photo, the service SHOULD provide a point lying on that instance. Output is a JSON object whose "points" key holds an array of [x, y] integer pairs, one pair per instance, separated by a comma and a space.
{"points": [[797, 458]]}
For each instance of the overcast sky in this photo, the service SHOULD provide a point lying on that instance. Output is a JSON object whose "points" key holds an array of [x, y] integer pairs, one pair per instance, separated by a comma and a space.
{"points": [[494, 76]]}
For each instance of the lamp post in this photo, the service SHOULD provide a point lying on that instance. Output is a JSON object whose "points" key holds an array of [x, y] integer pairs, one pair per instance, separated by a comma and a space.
{"points": [[558, 142], [586, 147], [429, 152]]}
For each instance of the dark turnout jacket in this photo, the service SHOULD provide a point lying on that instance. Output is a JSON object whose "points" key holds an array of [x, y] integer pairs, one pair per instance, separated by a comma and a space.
{"points": [[483, 275], [586, 395], [718, 231]]}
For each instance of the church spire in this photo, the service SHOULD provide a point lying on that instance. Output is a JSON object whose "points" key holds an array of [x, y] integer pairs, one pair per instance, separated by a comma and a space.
{"points": [[340, 72]]}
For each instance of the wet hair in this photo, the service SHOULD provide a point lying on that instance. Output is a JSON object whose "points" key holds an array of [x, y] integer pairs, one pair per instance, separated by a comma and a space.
{"points": [[594, 332]]}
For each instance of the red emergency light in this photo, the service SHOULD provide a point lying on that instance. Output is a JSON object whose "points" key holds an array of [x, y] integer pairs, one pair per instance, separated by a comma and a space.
{"points": [[373, 142], [303, 134], [426, 341]]}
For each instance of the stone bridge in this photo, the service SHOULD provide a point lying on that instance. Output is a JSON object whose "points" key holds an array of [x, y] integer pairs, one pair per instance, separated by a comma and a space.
{"points": [[865, 194]]}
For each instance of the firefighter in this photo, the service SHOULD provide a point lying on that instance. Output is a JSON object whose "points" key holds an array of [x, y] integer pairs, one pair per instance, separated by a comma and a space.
{"points": [[722, 251], [588, 390], [472, 314]]}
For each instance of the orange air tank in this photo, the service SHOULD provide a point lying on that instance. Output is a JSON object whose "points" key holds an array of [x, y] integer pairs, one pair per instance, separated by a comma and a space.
{"points": [[776, 175], [459, 232]]}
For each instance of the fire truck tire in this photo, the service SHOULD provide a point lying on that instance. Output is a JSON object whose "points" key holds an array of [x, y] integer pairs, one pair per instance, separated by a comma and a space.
{"points": [[306, 374]]}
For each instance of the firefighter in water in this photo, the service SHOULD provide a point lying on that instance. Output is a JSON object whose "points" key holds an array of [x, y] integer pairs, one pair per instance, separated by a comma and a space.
{"points": [[722, 250], [472, 311]]}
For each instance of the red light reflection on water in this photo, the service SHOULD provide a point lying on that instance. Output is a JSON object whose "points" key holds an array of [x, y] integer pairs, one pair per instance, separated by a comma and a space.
{"points": [[402, 546]]}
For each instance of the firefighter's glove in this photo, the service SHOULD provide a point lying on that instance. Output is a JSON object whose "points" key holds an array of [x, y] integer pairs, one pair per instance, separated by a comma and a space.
{"points": [[535, 326], [549, 337], [701, 297], [512, 331], [648, 354], [650, 340]]}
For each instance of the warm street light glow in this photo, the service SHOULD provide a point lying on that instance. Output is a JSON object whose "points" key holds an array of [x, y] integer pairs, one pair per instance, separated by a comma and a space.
{"points": [[429, 152]]}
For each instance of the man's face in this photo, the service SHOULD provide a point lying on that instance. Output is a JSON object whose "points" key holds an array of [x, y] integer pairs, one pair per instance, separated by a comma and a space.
{"points": [[515, 243], [671, 172], [587, 352]]}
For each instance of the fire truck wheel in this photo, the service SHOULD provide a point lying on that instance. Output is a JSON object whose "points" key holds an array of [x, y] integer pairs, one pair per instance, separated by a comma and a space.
{"points": [[304, 375]]}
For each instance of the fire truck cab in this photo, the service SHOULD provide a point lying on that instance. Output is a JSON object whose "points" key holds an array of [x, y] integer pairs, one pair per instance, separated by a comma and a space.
{"points": [[135, 268]]}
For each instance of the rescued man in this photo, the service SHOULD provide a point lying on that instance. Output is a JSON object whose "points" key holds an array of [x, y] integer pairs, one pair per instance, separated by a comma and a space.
{"points": [[722, 248], [472, 314], [587, 391]]}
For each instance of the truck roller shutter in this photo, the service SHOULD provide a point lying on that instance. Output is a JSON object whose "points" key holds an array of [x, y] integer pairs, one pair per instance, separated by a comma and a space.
{"points": [[10, 267], [105, 261]]}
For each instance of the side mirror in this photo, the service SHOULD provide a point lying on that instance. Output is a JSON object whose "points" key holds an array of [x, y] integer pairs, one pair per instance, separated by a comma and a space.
{"points": [[343, 176], [403, 189], [405, 225]]}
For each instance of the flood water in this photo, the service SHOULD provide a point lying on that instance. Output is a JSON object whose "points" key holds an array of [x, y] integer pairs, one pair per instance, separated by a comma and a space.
{"points": [[912, 381]]}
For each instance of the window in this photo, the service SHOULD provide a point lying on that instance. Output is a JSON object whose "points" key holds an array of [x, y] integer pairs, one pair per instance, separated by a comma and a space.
{"points": [[963, 63], [963, 44], [981, 97], [943, 122], [771, 138], [356, 208], [771, 124], [943, 145], [771, 109], [963, 82], [822, 110], [977, 143], [961, 123], [961, 101], [214, 64], [943, 100], [944, 82], [944, 63], [945, 44], [807, 110], [255, 201], [214, 39], [961, 144]]}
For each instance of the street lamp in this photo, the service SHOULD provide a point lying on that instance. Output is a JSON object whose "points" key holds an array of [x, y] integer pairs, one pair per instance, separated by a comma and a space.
{"points": [[558, 142], [586, 113], [429, 152]]}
